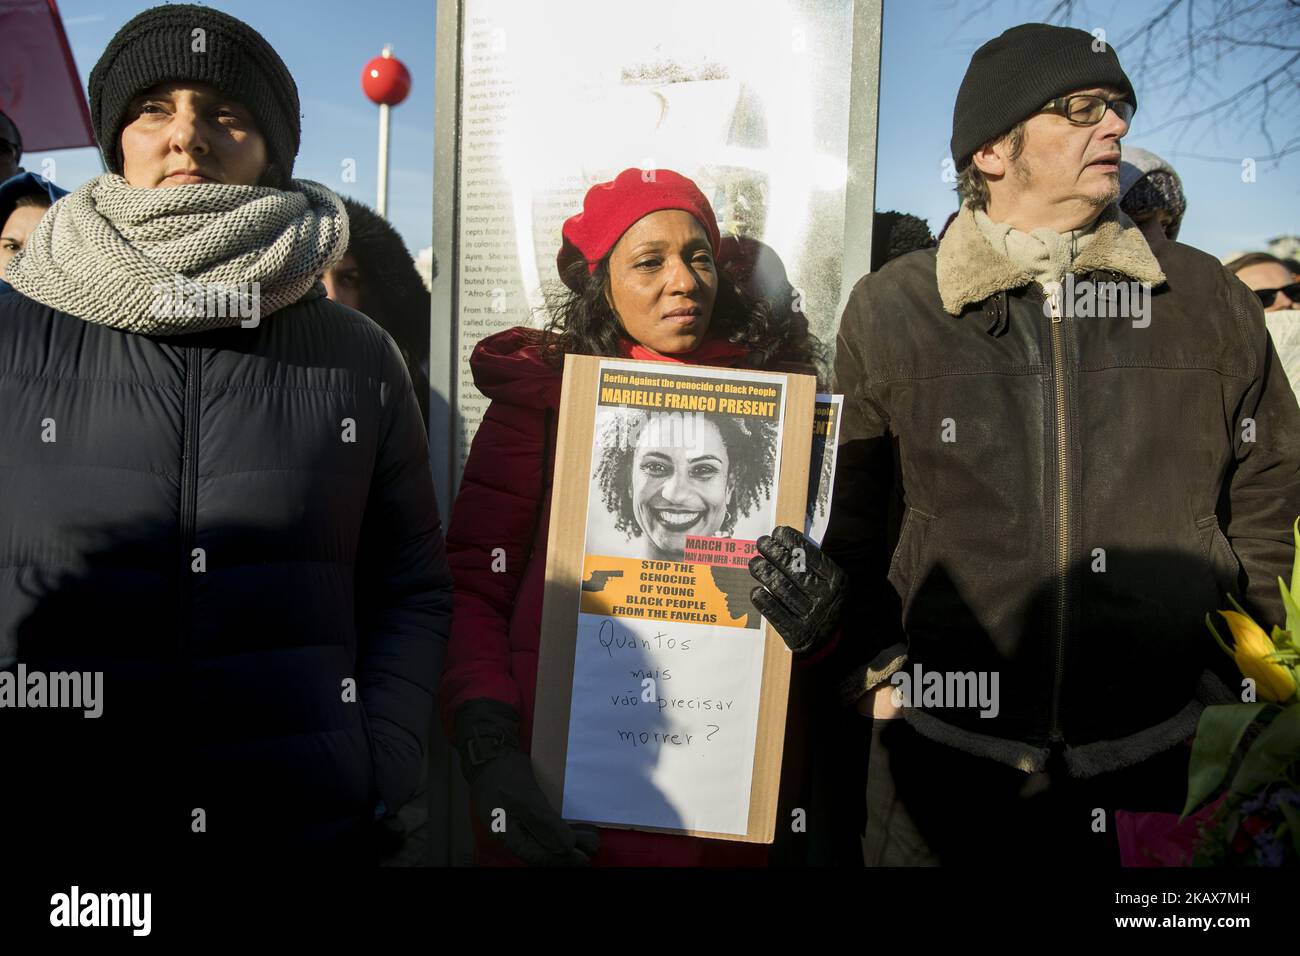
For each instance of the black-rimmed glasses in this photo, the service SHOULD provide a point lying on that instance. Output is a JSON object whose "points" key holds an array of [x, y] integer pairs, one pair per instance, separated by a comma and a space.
{"points": [[1087, 109]]}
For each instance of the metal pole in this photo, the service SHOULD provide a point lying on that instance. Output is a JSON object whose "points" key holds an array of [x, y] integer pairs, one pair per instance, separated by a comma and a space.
{"points": [[382, 205]]}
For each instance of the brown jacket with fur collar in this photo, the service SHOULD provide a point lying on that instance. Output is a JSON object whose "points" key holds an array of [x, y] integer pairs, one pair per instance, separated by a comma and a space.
{"points": [[1053, 494]]}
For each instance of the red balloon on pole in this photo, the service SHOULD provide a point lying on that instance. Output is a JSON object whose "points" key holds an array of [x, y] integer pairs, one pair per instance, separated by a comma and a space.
{"points": [[386, 80]]}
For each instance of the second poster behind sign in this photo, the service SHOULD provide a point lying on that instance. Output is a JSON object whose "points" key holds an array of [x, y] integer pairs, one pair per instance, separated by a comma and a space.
{"points": [[669, 656]]}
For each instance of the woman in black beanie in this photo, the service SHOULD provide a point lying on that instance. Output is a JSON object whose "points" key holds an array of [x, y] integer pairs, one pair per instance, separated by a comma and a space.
{"points": [[214, 488], [197, 45]]}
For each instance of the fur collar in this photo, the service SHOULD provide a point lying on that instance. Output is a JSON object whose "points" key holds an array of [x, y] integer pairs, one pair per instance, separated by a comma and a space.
{"points": [[969, 270]]}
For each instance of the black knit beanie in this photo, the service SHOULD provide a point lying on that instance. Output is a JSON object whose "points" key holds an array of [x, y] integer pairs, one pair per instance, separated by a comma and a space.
{"points": [[162, 44], [1012, 76]]}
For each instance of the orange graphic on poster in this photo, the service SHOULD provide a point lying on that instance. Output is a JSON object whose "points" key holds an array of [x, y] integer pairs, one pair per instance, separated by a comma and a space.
{"points": [[668, 591]]}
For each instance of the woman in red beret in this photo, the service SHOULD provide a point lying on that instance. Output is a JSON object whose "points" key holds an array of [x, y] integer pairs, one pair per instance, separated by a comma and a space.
{"points": [[640, 264]]}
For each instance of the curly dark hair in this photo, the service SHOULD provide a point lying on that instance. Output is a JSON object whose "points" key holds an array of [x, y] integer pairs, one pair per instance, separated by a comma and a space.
{"points": [[583, 322], [751, 453]]}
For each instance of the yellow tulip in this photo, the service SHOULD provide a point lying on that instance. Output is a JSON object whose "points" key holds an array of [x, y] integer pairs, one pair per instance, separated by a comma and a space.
{"points": [[1273, 681]]}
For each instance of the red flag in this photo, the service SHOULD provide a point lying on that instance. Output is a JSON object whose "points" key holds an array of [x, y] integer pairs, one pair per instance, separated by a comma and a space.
{"points": [[39, 86]]}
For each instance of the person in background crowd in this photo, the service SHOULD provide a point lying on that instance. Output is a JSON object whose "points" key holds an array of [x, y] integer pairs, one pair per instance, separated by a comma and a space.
{"points": [[895, 234], [1269, 278], [377, 276], [639, 263], [23, 200], [971, 515], [215, 486], [11, 148], [1151, 194], [1276, 284]]}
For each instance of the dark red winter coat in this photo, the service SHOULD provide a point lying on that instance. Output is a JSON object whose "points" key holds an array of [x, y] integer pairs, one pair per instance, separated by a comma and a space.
{"points": [[505, 502]]}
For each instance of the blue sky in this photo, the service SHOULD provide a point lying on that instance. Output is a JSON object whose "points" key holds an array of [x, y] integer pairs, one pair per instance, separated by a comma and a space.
{"points": [[926, 48], [927, 45], [325, 43]]}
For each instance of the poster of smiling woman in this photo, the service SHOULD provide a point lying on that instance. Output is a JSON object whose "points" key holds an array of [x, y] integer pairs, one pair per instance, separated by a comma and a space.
{"points": [[663, 691], [684, 474]]}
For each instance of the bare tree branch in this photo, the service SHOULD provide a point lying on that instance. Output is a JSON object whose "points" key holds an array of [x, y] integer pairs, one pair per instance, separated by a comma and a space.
{"points": [[1289, 147], [1262, 83], [1237, 41], [1185, 54]]}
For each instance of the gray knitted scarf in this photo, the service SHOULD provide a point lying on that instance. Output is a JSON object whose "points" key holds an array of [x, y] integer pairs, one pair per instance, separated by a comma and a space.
{"points": [[1045, 254], [180, 259]]}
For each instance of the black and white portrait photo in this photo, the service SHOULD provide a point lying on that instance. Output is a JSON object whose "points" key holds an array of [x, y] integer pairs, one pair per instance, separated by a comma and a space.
{"points": [[660, 477]]}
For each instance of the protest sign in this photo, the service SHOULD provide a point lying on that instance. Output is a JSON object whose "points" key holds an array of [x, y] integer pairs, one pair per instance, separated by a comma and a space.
{"points": [[661, 691]]}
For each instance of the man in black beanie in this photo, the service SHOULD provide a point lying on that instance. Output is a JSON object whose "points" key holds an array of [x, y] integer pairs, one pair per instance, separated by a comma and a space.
{"points": [[1059, 451]]}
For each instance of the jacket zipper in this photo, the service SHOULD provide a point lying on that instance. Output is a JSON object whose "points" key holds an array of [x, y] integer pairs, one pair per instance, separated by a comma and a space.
{"points": [[1062, 506], [189, 484]]}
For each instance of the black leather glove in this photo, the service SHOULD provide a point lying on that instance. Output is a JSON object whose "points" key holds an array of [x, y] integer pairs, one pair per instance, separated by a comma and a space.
{"points": [[501, 778], [803, 605]]}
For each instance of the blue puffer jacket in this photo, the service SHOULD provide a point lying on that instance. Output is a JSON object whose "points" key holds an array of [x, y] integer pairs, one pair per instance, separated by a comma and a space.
{"points": [[238, 528]]}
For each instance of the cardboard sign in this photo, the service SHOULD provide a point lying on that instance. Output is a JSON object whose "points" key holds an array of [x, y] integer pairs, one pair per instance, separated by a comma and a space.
{"points": [[661, 692]]}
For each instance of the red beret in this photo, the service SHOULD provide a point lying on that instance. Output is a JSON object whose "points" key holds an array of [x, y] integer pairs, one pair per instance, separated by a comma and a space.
{"points": [[610, 209]]}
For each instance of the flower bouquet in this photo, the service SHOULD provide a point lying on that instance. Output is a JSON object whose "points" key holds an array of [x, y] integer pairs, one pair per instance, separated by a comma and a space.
{"points": [[1256, 821]]}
